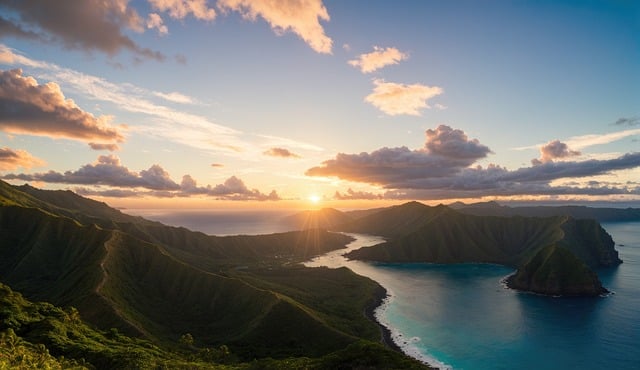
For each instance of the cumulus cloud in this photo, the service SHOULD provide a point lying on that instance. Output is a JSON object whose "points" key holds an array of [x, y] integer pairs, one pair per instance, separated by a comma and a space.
{"points": [[553, 150], [443, 169], [154, 21], [350, 194], [107, 170], [446, 152], [280, 152], [378, 58], [231, 189], [122, 182], [301, 17], [180, 9], [396, 98], [11, 159], [29, 108], [90, 25]]}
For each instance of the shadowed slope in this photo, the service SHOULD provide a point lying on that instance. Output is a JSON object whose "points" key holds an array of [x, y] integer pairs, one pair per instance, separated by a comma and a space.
{"points": [[161, 282], [440, 235], [554, 270]]}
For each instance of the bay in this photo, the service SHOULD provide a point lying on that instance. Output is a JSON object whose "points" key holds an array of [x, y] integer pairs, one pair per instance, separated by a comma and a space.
{"points": [[461, 317]]}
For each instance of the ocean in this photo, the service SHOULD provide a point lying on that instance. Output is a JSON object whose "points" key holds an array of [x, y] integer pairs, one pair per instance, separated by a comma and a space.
{"points": [[462, 317]]}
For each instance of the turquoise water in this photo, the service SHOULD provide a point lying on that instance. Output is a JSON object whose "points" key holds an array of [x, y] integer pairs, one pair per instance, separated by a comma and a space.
{"points": [[460, 316]]}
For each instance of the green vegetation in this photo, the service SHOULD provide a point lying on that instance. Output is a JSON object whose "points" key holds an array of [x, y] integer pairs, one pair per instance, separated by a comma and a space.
{"points": [[42, 336], [419, 233], [149, 295], [554, 270]]}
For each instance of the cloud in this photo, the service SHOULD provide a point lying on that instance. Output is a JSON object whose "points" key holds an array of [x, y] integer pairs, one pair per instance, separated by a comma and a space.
{"points": [[154, 181], [443, 169], [11, 159], [378, 58], [232, 189], [90, 25], [584, 141], [396, 99], [175, 97], [301, 17], [180, 9], [8, 28], [280, 152], [217, 165], [107, 170], [29, 108], [628, 121], [102, 146], [553, 150], [350, 194], [446, 152], [154, 21], [175, 125]]}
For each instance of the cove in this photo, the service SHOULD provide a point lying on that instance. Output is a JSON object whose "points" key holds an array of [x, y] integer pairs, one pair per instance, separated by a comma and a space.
{"points": [[461, 317]]}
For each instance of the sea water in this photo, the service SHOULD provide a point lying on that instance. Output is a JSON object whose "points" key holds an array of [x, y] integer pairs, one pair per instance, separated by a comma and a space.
{"points": [[462, 317]]}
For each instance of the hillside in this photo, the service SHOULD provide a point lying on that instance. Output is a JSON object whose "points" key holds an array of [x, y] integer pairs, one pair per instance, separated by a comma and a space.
{"points": [[156, 282], [579, 212], [418, 233], [39, 335], [554, 270], [326, 218]]}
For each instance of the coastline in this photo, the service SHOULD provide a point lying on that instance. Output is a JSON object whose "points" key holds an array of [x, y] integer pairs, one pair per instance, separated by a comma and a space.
{"points": [[370, 312], [381, 299]]}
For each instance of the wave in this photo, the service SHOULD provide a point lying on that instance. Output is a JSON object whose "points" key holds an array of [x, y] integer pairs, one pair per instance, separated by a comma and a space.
{"points": [[407, 346]]}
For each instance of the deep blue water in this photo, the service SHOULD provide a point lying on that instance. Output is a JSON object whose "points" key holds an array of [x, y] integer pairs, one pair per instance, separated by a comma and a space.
{"points": [[462, 317]]}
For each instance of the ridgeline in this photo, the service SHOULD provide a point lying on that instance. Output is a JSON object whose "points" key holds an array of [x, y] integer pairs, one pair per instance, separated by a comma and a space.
{"points": [[146, 295], [554, 255]]}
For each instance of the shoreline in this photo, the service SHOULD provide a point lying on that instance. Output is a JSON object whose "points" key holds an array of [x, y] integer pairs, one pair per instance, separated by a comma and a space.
{"points": [[370, 312]]}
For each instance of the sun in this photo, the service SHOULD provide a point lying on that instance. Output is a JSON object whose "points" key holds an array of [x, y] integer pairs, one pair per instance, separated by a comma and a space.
{"points": [[314, 198]]}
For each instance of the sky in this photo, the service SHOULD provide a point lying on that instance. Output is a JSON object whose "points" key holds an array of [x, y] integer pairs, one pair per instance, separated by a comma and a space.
{"points": [[301, 103]]}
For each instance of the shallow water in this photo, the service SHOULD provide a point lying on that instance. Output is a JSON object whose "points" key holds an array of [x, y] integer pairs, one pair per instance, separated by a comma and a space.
{"points": [[460, 316]]}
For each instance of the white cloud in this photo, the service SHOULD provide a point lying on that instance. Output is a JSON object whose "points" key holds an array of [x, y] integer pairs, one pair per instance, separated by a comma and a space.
{"points": [[180, 9], [584, 141], [155, 22], [396, 99], [176, 97], [378, 58], [301, 17]]}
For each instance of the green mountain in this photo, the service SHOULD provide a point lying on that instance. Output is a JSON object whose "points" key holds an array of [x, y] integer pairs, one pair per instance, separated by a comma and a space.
{"points": [[39, 335], [151, 281], [418, 233], [581, 212], [554, 270], [326, 218]]}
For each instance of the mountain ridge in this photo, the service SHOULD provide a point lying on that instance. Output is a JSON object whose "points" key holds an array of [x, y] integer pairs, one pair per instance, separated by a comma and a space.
{"points": [[159, 282], [442, 235]]}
